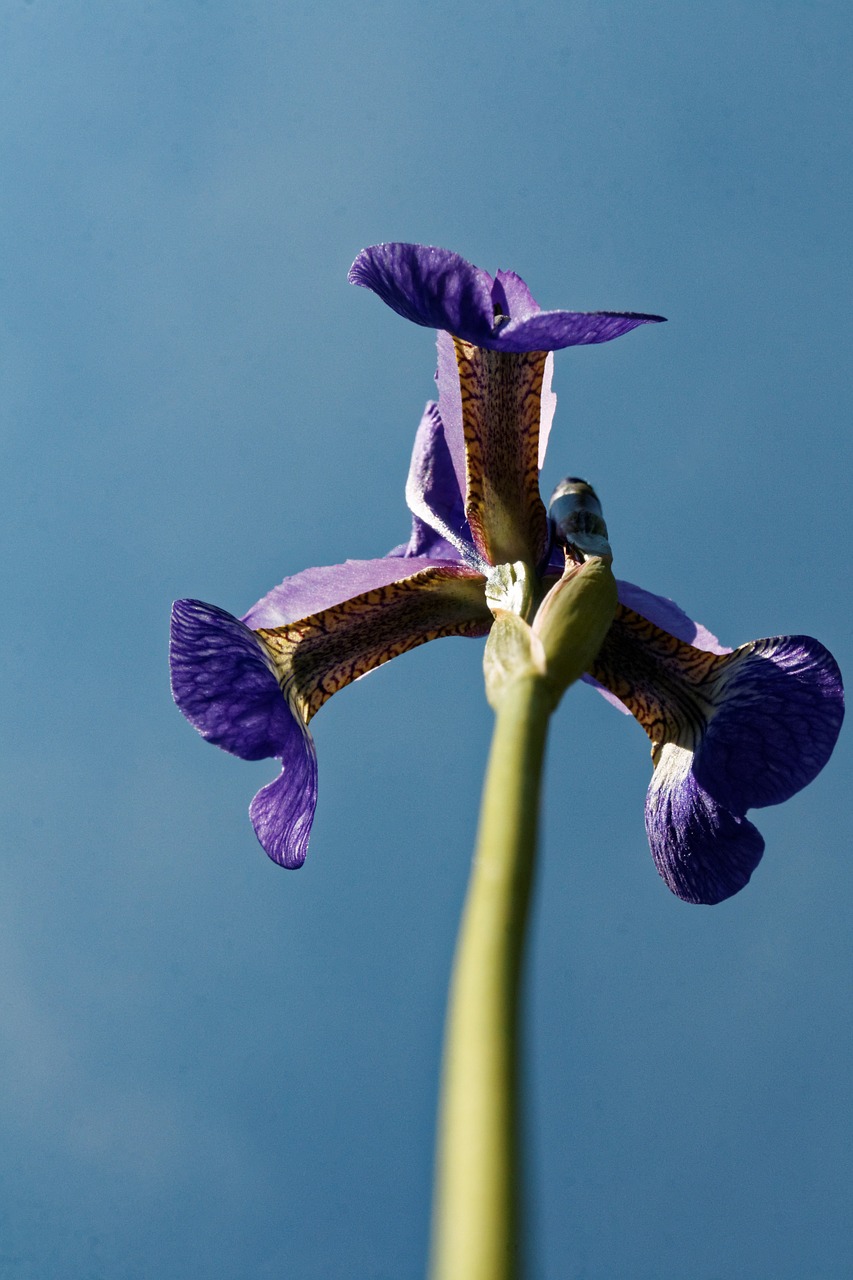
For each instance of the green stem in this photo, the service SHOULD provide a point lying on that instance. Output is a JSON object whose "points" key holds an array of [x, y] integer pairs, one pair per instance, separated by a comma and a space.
{"points": [[476, 1226]]}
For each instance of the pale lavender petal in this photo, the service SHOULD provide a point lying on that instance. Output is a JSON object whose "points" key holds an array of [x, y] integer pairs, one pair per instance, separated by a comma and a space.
{"points": [[781, 704], [450, 404], [704, 852], [430, 286], [432, 492], [282, 812], [513, 295], [224, 682], [554, 330], [313, 590], [548, 407]]}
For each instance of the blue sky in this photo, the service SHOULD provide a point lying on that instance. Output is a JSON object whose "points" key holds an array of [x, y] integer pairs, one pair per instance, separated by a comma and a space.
{"points": [[209, 1066]]}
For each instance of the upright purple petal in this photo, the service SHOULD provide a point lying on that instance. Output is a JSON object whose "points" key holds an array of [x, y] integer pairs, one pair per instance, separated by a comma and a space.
{"points": [[703, 851], [224, 682], [432, 492], [430, 286], [780, 708], [514, 297], [450, 404]]}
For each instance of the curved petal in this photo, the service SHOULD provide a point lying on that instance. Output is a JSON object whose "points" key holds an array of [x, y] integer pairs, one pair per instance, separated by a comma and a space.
{"points": [[430, 286], [313, 590], [501, 414], [704, 852], [283, 811], [660, 610], [439, 289], [224, 682], [665, 613], [554, 330], [432, 492], [316, 656], [514, 297], [780, 704]]}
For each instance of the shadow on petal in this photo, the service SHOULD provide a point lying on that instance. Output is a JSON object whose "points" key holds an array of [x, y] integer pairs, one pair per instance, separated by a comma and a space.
{"points": [[703, 851]]}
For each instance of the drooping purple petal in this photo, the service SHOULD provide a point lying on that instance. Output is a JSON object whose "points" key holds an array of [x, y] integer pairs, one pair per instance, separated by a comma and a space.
{"points": [[780, 707], [432, 493], [430, 286], [282, 812], [439, 289], [703, 851], [313, 590], [225, 683]]}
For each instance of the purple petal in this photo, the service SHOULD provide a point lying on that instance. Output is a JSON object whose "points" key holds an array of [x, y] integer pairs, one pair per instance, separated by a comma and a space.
{"points": [[781, 704], [437, 288], [554, 330], [282, 812], [515, 298], [432, 492], [313, 590], [450, 403], [224, 682], [430, 286], [665, 613], [704, 852]]}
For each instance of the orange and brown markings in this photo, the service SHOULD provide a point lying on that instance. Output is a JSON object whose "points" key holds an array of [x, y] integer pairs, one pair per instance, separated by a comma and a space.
{"points": [[318, 655], [669, 686], [501, 408]]}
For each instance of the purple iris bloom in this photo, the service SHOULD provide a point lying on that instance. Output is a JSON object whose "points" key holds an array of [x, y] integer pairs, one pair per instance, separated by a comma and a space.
{"points": [[251, 686]]}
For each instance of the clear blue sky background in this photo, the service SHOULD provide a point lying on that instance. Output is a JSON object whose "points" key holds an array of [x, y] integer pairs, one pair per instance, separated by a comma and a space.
{"points": [[210, 1067]]}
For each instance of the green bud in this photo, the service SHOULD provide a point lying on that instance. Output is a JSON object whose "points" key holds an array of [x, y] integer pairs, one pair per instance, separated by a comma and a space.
{"points": [[513, 652], [573, 620]]}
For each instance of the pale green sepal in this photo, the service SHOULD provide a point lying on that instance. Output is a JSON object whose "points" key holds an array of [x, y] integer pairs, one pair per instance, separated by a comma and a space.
{"points": [[573, 620], [512, 651], [509, 587]]}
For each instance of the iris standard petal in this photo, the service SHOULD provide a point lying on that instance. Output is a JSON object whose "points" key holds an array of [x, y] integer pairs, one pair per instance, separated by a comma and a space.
{"points": [[779, 707], [430, 286], [224, 682], [432, 492], [703, 851]]}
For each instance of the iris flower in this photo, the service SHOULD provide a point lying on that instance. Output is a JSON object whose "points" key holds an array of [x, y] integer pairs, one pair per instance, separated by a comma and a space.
{"points": [[730, 730]]}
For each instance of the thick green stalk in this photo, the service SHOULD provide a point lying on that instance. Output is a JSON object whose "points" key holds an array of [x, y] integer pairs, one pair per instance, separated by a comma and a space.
{"points": [[476, 1212]]}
